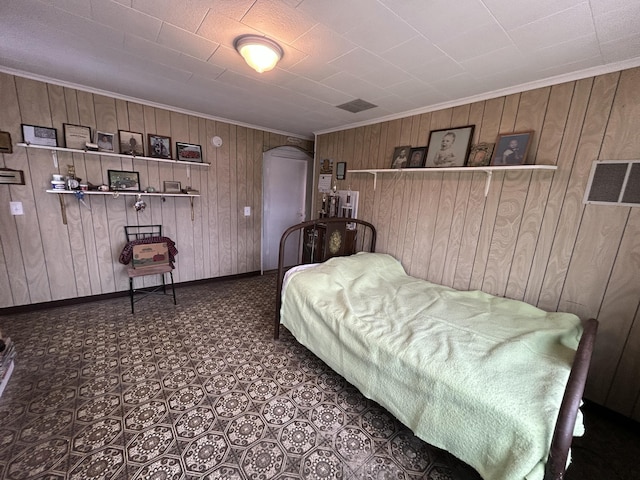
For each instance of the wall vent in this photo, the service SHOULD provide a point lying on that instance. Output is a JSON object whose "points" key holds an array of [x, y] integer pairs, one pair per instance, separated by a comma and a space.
{"points": [[614, 182], [357, 105]]}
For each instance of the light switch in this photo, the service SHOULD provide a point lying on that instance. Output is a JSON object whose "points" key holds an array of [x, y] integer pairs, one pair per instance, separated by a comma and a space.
{"points": [[16, 208], [247, 211]]}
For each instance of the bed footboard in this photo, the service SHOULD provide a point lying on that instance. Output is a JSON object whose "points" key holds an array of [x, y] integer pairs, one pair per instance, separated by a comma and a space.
{"points": [[563, 434], [362, 237]]}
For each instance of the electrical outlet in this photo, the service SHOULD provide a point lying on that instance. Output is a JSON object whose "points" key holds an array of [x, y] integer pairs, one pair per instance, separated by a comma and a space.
{"points": [[16, 208], [247, 211]]}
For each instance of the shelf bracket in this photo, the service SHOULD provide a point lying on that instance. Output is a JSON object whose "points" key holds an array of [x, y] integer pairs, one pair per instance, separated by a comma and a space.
{"points": [[54, 155], [63, 208], [487, 182], [191, 202], [375, 179]]}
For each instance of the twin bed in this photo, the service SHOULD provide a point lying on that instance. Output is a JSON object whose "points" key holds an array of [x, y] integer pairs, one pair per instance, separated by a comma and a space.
{"points": [[496, 382]]}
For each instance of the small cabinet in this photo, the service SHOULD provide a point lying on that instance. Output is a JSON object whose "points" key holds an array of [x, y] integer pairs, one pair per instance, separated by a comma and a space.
{"points": [[326, 241]]}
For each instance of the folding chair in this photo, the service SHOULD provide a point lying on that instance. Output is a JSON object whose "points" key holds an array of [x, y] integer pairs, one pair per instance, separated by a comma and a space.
{"points": [[149, 256]]}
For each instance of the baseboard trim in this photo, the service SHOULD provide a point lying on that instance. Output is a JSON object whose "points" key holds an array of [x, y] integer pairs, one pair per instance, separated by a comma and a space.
{"points": [[33, 307]]}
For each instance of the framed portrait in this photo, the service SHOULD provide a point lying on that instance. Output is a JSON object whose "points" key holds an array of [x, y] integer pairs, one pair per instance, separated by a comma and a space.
{"points": [[171, 186], [159, 146], [131, 143], [512, 148], [105, 141], [341, 170], [449, 147], [416, 157], [120, 180], [5, 143], [34, 135], [76, 136], [400, 157], [480, 155], [188, 152]]}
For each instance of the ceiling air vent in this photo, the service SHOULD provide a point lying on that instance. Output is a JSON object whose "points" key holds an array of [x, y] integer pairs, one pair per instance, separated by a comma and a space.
{"points": [[614, 182], [357, 105]]}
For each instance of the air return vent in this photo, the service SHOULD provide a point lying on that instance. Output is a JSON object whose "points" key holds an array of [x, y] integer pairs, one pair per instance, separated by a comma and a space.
{"points": [[614, 182], [357, 105]]}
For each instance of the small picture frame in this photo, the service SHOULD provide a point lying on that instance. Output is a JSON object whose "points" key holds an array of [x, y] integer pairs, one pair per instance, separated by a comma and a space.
{"points": [[34, 135], [400, 157], [105, 141], [120, 180], [449, 147], [76, 136], [159, 146], [188, 152], [341, 170], [170, 186], [480, 155], [5, 143], [512, 148], [131, 143], [416, 157]]}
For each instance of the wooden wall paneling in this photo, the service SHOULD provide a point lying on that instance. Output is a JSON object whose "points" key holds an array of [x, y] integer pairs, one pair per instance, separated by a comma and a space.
{"points": [[13, 268], [211, 245], [224, 201], [578, 93], [248, 199], [233, 198], [136, 118], [401, 132], [591, 136], [34, 104], [548, 147], [372, 144], [619, 142], [257, 198], [241, 188], [386, 210], [198, 134], [380, 156], [615, 358]]}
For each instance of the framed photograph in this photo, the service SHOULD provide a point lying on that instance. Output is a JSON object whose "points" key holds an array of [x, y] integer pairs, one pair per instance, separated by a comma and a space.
{"points": [[33, 135], [105, 141], [171, 187], [416, 157], [131, 143], [5, 143], [341, 170], [449, 147], [121, 180], [480, 155], [188, 152], [400, 157], [76, 136], [159, 146], [512, 148]]}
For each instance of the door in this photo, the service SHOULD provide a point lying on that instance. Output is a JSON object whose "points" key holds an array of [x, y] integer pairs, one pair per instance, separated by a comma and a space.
{"points": [[286, 180]]}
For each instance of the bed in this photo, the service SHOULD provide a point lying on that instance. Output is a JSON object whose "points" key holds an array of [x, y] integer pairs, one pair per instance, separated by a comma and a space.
{"points": [[496, 382]]}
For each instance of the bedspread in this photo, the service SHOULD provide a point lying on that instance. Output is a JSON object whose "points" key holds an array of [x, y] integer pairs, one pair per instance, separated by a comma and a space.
{"points": [[479, 376]]}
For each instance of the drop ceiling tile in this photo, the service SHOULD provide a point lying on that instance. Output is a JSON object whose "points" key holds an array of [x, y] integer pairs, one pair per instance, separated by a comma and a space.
{"points": [[512, 14], [125, 19], [409, 88], [277, 20], [568, 52], [81, 8], [558, 28], [466, 45], [499, 61], [186, 42], [313, 70], [198, 67], [616, 24], [381, 31], [227, 58], [175, 13], [342, 16], [414, 51], [319, 91], [458, 87], [623, 49], [223, 29], [323, 44], [358, 62], [150, 51], [354, 86], [435, 70], [601, 7]]}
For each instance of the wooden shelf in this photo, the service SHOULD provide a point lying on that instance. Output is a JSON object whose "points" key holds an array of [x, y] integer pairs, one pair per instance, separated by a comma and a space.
{"points": [[54, 150], [116, 194], [488, 170]]}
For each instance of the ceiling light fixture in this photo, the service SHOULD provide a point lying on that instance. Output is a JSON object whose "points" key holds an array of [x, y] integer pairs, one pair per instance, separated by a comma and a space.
{"points": [[260, 53]]}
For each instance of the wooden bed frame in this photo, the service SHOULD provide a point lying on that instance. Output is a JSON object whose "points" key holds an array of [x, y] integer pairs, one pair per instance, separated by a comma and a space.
{"points": [[563, 432]]}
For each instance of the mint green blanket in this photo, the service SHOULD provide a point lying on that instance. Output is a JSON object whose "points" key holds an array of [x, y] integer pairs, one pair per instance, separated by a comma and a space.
{"points": [[479, 376]]}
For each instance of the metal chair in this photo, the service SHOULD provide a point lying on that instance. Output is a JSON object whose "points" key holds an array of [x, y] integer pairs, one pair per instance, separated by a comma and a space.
{"points": [[150, 255]]}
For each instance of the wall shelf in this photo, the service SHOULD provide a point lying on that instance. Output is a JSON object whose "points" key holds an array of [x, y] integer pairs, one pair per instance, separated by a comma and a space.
{"points": [[55, 150], [116, 194], [488, 170]]}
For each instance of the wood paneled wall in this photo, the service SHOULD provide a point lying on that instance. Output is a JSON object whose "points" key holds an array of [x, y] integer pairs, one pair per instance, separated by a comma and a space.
{"points": [[531, 238], [41, 259]]}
